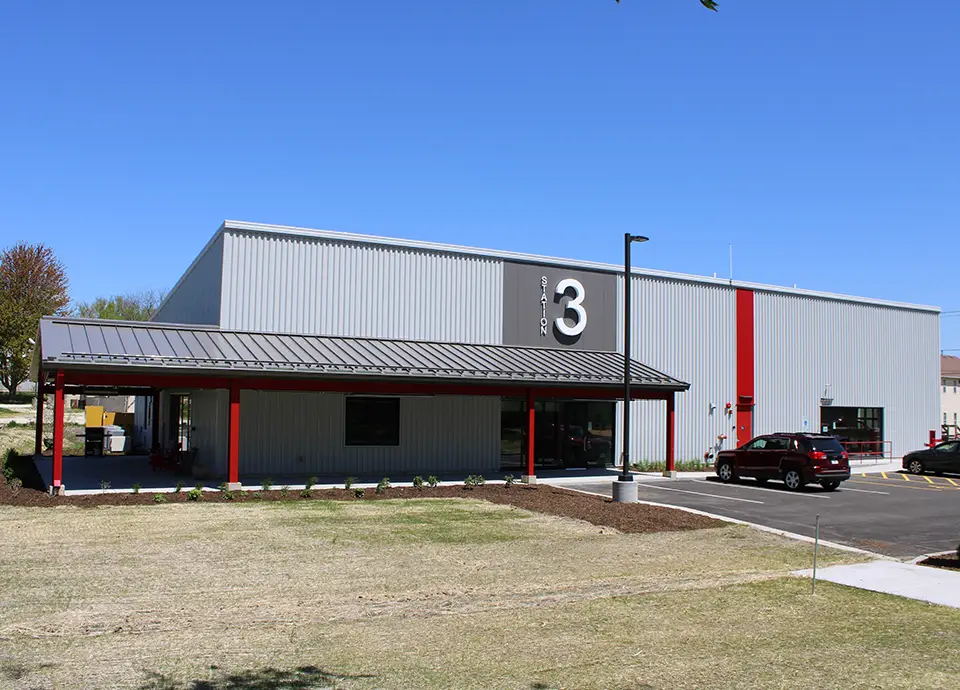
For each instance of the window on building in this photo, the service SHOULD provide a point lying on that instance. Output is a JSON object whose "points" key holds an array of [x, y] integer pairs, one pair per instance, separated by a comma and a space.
{"points": [[372, 421], [944, 414], [954, 418]]}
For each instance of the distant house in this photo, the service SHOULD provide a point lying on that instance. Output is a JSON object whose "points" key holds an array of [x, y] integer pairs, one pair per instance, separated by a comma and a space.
{"points": [[950, 395]]}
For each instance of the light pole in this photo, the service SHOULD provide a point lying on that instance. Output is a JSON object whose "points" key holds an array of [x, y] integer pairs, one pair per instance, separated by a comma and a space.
{"points": [[624, 490]]}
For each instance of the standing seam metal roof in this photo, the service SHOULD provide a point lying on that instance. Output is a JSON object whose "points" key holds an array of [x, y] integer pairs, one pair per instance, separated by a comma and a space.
{"points": [[118, 345]]}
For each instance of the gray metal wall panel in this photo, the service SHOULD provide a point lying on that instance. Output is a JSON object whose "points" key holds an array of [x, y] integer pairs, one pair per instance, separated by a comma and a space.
{"points": [[871, 356], [313, 285], [302, 434], [688, 331], [210, 429], [196, 298]]}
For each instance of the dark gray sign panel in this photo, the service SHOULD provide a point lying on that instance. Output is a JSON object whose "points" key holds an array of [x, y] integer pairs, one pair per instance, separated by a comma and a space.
{"points": [[550, 306]]}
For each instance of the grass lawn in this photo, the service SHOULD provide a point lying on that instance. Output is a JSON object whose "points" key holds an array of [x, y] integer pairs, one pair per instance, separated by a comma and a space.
{"points": [[22, 437], [434, 593]]}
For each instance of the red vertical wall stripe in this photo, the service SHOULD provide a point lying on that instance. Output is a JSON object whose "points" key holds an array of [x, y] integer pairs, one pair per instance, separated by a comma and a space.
{"points": [[745, 366]]}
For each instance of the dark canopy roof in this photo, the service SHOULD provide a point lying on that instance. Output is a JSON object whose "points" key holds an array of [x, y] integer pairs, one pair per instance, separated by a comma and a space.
{"points": [[123, 346]]}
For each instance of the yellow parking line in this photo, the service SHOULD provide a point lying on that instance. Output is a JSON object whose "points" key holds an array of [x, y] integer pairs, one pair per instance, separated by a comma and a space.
{"points": [[885, 475], [863, 474], [928, 479], [951, 481], [904, 486], [905, 477]]}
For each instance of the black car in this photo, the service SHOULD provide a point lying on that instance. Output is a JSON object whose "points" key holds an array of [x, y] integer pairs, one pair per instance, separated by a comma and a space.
{"points": [[944, 457], [797, 459]]}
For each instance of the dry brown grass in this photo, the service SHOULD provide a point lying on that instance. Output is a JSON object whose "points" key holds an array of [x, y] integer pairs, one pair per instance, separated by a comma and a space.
{"points": [[420, 593]]}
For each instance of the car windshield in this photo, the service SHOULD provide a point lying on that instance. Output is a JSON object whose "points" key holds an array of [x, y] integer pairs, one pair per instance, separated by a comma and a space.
{"points": [[825, 444]]}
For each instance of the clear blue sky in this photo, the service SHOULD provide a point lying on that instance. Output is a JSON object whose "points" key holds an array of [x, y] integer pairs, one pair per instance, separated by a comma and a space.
{"points": [[820, 138]]}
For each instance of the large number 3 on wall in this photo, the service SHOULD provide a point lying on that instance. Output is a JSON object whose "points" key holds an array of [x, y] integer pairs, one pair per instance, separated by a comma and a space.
{"points": [[575, 305]]}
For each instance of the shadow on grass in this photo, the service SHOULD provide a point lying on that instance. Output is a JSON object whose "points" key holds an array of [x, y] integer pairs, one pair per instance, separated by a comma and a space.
{"points": [[302, 678]]}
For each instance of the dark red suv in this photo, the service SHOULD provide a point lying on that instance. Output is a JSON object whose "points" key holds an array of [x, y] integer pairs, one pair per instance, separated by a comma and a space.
{"points": [[797, 459]]}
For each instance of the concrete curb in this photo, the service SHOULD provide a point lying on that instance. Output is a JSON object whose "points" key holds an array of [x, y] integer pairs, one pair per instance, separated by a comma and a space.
{"points": [[762, 528]]}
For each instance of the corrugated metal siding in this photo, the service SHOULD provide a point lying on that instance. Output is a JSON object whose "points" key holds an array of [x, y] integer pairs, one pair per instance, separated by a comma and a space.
{"points": [[687, 331], [317, 286], [196, 298], [210, 429], [870, 356], [285, 433]]}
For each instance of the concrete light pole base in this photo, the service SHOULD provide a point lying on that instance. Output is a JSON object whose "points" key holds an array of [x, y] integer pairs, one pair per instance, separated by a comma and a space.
{"points": [[528, 478], [234, 486], [671, 474], [58, 490], [624, 492]]}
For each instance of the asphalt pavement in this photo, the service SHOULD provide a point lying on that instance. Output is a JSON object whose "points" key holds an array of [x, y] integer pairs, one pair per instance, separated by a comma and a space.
{"points": [[894, 514]]}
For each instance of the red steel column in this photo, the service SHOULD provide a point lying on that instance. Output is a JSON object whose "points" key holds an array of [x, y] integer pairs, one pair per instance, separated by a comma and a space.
{"points": [[671, 431], [745, 366], [155, 435], [531, 429], [38, 443], [233, 447], [58, 435]]}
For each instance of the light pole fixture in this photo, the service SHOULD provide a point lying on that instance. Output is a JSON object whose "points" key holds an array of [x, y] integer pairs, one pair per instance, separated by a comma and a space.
{"points": [[620, 492]]}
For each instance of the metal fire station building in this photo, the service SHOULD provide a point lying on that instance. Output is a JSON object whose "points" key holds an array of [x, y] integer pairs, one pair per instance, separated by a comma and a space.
{"points": [[287, 351]]}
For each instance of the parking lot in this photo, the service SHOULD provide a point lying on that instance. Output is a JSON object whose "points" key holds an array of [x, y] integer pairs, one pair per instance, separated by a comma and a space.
{"points": [[891, 513]]}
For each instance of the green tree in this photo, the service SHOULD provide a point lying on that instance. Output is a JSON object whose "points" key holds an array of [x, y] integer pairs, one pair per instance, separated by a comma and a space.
{"points": [[33, 283], [138, 306], [709, 4]]}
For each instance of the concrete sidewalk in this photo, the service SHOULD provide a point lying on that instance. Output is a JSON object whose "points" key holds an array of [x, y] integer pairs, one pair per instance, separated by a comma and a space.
{"points": [[934, 585]]}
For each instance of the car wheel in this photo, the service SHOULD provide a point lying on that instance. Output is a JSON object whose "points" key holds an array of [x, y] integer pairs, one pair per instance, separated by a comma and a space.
{"points": [[793, 480], [915, 467], [830, 486], [725, 472]]}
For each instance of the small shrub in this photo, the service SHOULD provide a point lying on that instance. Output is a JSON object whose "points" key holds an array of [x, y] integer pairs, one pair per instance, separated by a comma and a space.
{"points": [[348, 483], [310, 483], [358, 492], [227, 495], [418, 482], [509, 480], [8, 473], [383, 485], [198, 486], [12, 425], [194, 494], [159, 498], [306, 493], [223, 487], [432, 481], [136, 488], [284, 491], [473, 480], [15, 485], [266, 484], [179, 487], [104, 485], [258, 494]]}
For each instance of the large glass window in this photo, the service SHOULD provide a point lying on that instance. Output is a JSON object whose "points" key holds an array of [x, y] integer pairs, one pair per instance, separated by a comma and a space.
{"points": [[859, 429], [568, 433], [372, 421]]}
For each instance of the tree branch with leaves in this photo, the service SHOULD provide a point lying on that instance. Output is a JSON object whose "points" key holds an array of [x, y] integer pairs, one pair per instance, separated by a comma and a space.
{"points": [[137, 306], [33, 284]]}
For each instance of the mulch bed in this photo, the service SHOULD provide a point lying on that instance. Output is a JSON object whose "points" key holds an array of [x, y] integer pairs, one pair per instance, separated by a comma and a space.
{"points": [[550, 500], [950, 561]]}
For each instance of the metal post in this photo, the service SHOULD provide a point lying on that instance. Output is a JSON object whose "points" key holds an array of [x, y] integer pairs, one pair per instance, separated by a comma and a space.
{"points": [[531, 476], [625, 489], [625, 476], [816, 548], [57, 487], [233, 440], [38, 441]]}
